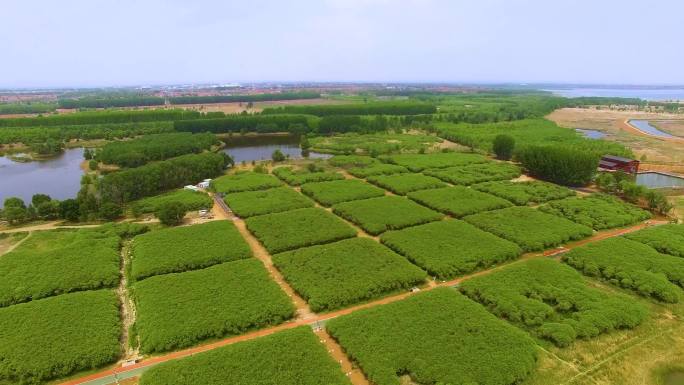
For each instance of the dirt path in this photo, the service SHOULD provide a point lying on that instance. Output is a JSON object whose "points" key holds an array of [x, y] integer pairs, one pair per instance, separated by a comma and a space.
{"points": [[128, 313], [355, 375], [14, 246]]}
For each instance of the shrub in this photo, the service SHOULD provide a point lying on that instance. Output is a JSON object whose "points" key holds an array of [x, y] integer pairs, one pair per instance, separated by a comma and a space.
{"points": [[529, 228], [299, 177], [475, 173], [226, 299], [458, 201], [299, 228], [330, 193], [560, 164], [553, 301], [278, 155], [250, 203], [503, 146], [597, 211], [244, 181], [457, 341], [522, 193], [188, 199], [170, 213], [450, 248], [377, 215], [631, 265], [404, 183], [110, 211], [343, 273], [668, 239], [419, 162], [186, 248]]}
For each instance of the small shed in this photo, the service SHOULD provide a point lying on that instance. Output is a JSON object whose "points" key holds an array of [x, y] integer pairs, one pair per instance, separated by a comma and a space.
{"points": [[191, 187], [618, 163]]}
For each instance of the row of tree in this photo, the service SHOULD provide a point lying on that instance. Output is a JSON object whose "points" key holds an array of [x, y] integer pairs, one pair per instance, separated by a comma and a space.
{"points": [[100, 102], [193, 99], [26, 108], [108, 117], [378, 108], [247, 123], [42, 207]]}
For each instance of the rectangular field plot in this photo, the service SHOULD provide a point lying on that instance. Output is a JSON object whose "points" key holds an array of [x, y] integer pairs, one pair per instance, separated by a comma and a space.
{"points": [[475, 173], [420, 162], [329, 193], [377, 215], [181, 309], [597, 211], [291, 357], [346, 272], [403, 184], [668, 239], [348, 161], [245, 181], [59, 261], [529, 228], [250, 203], [450, 248], [523, 193], [438, 336], [377, 169], [54, 337], [553, 301], [299, 228], [191, 200], [186, 248], [299, 177], [458, 201], [631, 265]]}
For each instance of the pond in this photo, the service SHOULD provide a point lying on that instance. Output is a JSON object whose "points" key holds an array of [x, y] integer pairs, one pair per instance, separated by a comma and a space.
{"points": [[591, 134], [652, 179], [645, 126], [260, 147], [59, 177]]}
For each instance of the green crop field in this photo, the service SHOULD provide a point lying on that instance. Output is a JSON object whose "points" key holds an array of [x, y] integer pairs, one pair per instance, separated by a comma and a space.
{"points": [[631, 265], [377, 215], [377, 169], [668, 239], [436, 337], [597, 211], [191, 200], [329, 193], [382, 143], [291, 357], [54, 337], [450, 248], [346, 272], [182, 309], [420, 162], [552, 301], [403, 184], [245, 181], [523, 193], [529, 228], [475, 173], [250, 203], [299, 228], [186, 248], [299, 177], [348, 161], [458, 201]]}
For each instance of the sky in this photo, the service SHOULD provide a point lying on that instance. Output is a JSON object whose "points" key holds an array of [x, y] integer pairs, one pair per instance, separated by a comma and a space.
{"points": [[89, 43]]}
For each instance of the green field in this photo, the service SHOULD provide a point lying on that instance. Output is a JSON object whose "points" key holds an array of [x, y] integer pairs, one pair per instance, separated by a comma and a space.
{"points": [[250, 203], [420, 162], [475, 173], [668, 239], [523, 193], [597, 211], [458, 201], [382, 143], [377, 169], [403, 184], [298, 177], [330, 193], [244, 181], [190, 200]]}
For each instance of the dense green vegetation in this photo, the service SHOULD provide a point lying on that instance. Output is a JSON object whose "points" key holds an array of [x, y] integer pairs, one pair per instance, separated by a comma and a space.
{"points": [[348, 161], [377, 169], [458, 201], [523, 193], [299, 228], [291, 357], [371, 144], [376, 108], [57, 336], [330, 193], [181, 309], [377, 215], [106, 102], [343, 273], [560, 164], [194, 99], [250, 203], [186, 248], [136, 152], [436, 337], [188, 199], [553, 301], [529, 228], [631, 265], [668, 239], [420, 162], [598, 211], [450, 248], [30, 135], [403, 184], [299, 177], [475, 173], [244, 181], [26, 108], [247, 123], [101, 117]]}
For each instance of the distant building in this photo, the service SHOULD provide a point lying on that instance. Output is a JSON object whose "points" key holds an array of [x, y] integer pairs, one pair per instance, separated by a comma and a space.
{"points": [[191, 187], [618, 163], [204, 184]]}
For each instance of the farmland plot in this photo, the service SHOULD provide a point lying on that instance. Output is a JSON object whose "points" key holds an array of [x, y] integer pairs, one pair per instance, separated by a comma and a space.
{"points": [[299, 177], [186, 248], [250, 203], [450, 248], [244, 181], [529, 228], [191, 200], [299, 228], [329, 193], [475, 173], [377, 169], [346, 272], [377, 215], [597, 211], [420, 162], [403, 184], [458, 201], [631, 265], [438, 336], [348, 161], [668, 239], [181, 309], [523, 193], [553, 301]]}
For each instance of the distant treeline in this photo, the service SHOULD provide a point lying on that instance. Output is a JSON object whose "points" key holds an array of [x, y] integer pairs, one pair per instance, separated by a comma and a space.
{"points": [[244, 98], [379, 108], [100, 117], [137, 152], [99, 102], [248, 123], [26, 108], [109, 131], [604, 101]]}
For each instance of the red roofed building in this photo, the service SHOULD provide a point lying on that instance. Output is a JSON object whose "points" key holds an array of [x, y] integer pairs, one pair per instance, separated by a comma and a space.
{"points": [[618, 163]]}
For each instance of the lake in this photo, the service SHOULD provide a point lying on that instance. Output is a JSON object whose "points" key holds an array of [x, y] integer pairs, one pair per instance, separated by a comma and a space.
{"points": [[654, 94], [591, 134], [652, 179], [260, 147], [645, 126]]}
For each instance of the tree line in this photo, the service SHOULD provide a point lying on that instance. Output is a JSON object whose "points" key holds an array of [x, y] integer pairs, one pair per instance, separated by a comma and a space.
{"points": [[247, 122], [100, 102], [108, 117], [378, 108], [26, 108], [194, 99]]}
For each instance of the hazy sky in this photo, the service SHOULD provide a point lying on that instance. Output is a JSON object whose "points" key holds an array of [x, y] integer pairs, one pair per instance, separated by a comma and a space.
{"points": [[131, 42]]}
